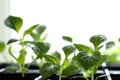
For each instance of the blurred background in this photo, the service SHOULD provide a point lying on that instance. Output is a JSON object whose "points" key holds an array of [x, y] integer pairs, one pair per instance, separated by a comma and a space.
{"points": [[79, 19]]}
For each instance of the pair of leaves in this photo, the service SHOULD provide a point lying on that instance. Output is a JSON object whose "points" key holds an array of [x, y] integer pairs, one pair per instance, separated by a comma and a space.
{"points": [[30, 30], [87, 61], [15, 23]]}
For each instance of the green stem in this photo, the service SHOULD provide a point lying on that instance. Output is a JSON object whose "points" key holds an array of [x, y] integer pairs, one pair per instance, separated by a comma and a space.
{"points": [[23, 70], [23, 65], [60, 76], [92, 76], [86, 74], [62, 68]]}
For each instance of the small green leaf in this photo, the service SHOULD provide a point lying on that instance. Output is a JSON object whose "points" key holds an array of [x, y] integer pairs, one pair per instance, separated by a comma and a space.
{"points": [[68, 49], [48, 69], [82, 47], [71, 70], [2, 46], [41, 48], [97, 40], [110, 44], [57, 55], [12, 40], [28, 31], [52, 59], [40, 29], [69, 39], [14, 23], [98, 48]]}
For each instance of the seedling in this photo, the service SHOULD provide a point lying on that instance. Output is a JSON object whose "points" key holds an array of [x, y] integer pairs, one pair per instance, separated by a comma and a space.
{"points": [[55, 65], [89, 59], [15, 23]]}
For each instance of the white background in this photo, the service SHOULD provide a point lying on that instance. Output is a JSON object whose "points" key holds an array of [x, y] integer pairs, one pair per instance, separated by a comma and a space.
{"points": [[79, 19]]}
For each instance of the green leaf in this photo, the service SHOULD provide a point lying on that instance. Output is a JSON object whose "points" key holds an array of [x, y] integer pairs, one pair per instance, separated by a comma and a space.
{"points": [[12, 40], [12, 69], [48, 69], [97, 40], [2, 46], [119, 39], [68, 49], [38, 32], [87, 61], [69, 39], [102, 59], [28, 31], [40, 29], [98, 48], [110, 44], [57, 55], [21, 58], [41, 48], [71, 70], [14, 23], [34, 36], [81, 47], [52, 59]]}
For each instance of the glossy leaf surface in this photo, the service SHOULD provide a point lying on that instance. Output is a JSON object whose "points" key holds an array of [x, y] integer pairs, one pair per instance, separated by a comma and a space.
{"points": [[81, 47], [97, 40], [14, 23], [68, 49], [48, 69]]}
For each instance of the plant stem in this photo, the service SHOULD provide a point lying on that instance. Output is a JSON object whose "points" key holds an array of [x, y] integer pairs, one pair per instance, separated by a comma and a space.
{"points": [[23, 70], [92, 76], [23, 52], [60, 76], [62, 67]]}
